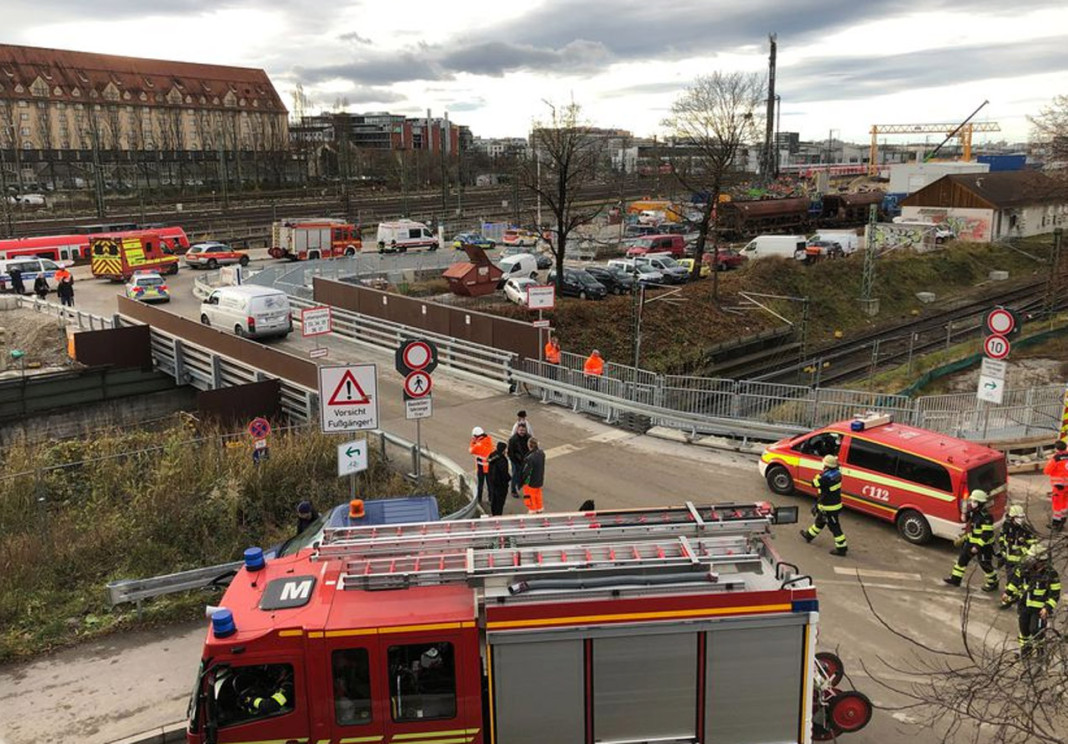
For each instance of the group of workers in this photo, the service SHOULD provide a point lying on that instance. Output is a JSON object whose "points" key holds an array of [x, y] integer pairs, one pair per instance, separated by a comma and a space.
{"points": [[593, 366], [516, 466]]}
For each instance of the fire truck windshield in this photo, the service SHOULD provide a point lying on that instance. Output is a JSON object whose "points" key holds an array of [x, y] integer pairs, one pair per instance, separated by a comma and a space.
{"points": [[311, 534]]}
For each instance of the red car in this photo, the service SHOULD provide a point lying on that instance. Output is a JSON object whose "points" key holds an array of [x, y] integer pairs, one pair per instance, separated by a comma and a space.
{"points": [[211, 255], [728, 258]]}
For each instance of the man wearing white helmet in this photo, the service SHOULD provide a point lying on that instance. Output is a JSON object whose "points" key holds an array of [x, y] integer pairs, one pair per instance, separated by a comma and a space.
{"points": [[1036, 586], [481, 447], [828, 506], [1016, 538], [976, 542]]}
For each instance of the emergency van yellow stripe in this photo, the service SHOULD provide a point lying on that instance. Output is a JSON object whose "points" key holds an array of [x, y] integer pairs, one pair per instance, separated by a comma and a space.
{"points": [[290, 740], [455, 740], [489, 683], [866, 502], [429, 734], [315, 634], [673, 614], [289, 633], [360, 739], [903, 485], [430, 626], [343, 633]]}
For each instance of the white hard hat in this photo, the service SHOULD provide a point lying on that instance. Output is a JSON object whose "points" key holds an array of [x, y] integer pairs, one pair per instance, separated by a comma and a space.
{"points": [[830, 461], [1016, 511], [477, 431], [979, 496]]}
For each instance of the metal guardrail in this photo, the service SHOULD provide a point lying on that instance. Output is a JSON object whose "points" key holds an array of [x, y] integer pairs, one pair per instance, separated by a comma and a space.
{"points": [[85, 321]]}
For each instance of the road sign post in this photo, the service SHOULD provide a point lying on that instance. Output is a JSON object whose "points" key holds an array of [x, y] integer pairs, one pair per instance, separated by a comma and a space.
{"points": [[348, 398], [315, 322], [351, 459], [415, 359]]}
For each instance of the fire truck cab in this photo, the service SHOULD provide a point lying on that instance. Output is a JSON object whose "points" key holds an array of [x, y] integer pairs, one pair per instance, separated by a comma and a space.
{"points": [[674, 624], [300, 240], [916, 478]]}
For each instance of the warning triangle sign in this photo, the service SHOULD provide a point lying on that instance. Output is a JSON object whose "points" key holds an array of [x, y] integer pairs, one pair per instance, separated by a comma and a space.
{"points": [[348, 392]]}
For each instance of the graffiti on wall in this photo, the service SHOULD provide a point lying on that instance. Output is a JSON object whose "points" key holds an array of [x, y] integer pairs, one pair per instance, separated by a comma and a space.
{"points": [[893, 236], [972, 225]]}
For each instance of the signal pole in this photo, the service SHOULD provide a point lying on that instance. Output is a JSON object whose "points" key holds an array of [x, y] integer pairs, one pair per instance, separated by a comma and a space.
{"points": [[768, 167], [867, 283]]}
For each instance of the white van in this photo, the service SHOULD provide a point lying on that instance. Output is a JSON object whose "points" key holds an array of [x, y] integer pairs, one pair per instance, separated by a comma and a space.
{"points": [[248, 310], [848, 239], [520, 264], [404, 234], [786, 246]]}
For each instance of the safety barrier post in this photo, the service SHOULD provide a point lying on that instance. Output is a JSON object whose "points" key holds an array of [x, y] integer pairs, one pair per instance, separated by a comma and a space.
{"points": [[179, 360], [216, 372]]}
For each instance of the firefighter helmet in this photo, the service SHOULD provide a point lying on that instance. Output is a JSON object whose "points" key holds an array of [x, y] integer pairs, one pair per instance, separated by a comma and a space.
{"points": [[830, 461], [1016, 511], [979, 496], [1037, 553]]}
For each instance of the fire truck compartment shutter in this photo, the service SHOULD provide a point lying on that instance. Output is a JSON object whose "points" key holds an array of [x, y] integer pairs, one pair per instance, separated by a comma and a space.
{"points": [[538, 692]]}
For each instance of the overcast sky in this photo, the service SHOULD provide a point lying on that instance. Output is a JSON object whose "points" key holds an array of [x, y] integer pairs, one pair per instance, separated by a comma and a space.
{"points": [[843, 64]]}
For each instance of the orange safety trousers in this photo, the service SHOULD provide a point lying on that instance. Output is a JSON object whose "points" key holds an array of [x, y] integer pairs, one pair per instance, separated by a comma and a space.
{"points": [[532, 499]]}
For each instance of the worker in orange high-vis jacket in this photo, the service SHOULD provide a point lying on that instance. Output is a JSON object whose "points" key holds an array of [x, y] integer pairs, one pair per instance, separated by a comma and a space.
{"points": [[552, 350], [481, 447], [1057, 470], [594, 364], [534, 478]]}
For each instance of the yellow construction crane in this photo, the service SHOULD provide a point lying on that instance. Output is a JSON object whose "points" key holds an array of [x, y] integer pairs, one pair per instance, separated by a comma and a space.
{"points": [[963, 131]]}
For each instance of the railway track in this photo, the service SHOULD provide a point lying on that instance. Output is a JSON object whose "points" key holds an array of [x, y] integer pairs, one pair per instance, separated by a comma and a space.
{"points": [[891, 346]]}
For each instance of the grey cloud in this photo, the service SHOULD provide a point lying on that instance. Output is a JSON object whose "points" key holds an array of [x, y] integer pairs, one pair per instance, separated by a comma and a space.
{"points": [[496, 58], [642, 89], [354, 37], [378, 69], [847, 78], [466, 105]]}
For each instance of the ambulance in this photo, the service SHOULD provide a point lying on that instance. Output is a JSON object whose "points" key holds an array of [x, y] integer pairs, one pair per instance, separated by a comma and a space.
{"points": [[674, 624], [118, 257], [917, 479]]}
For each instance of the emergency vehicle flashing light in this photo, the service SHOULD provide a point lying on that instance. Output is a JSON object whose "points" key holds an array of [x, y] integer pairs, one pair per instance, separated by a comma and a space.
{"points": [[870, 421], [222, 623], [254, 560]]}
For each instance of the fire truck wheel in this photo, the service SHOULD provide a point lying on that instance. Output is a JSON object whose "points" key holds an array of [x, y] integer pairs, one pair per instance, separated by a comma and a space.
{"points": [[779, 480], [850, 711], [204, 320], [832, 666], [212, 263], [243, 261], [914, 527], [173, 269], [350, 250]]}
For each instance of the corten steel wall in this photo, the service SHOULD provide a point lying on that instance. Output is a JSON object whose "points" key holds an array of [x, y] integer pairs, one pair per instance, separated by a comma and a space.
{"points": [[126, 347], [242, 403], [271, 361], [480, 328]]}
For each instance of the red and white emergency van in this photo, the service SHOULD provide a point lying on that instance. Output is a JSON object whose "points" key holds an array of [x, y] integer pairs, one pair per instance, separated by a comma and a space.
{"points": [[673, 624], [916, 478]]}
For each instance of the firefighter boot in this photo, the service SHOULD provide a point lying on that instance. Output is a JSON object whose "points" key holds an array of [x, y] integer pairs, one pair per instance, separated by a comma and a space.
{"points": [[808, 537], [838, 551], [990, 587], [952, 580]]}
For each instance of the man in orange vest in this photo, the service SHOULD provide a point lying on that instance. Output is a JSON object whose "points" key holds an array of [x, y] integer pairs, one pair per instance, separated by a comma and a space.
{"points": [[1057, 470], [552, 350], [594, 364], [481, 447]]}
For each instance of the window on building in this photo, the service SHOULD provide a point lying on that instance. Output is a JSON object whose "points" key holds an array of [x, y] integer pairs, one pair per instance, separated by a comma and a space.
{"points": [[422, 682], [871, 456], [24, 104], [351, 670], [24, 117], [24, 131]]}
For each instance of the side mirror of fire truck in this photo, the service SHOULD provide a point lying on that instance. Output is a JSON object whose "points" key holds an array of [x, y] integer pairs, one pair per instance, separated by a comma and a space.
{"points": [[785, 515]]}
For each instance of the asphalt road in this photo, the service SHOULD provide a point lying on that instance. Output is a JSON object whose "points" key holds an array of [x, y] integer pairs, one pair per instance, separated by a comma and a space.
{"points": [[103, 691]]}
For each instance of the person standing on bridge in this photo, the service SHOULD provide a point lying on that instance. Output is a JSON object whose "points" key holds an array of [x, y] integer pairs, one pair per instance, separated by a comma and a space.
{"points": [[828, 506], [552, 350], [481, 447], [1057, 470], [40, 286], [65, 290], [518, 449], [594, 365], [534, 479], [976, 542], [17, 286], [499, 478]]}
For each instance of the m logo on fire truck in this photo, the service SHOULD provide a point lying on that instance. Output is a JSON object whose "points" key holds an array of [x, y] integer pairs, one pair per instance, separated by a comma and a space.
{"points": [[282, 594]]}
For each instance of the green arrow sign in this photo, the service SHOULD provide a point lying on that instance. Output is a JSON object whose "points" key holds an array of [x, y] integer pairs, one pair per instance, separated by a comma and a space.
{"points": [[352, 451], [991, 386]]}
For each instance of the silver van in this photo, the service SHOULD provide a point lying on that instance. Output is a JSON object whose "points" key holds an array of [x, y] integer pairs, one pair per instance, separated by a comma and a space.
{"points": [[248, 311]]}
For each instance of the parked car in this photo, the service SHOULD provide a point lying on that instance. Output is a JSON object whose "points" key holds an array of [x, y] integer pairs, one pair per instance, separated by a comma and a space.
{"points": [[248, 310], [519, 264], [727, 258], [671, 270], [637, 231], [403, 235], [515, 289], [615, 280], [815, 249], [673, 244], [147, 286], [212, 255], [643, 273], [473, 238], [578, 283], [785, 246], [30, 268], [518, 237], [687, 263], [545, 261]]}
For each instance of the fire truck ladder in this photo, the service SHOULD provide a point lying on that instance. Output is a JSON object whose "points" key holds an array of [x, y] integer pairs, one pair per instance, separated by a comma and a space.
{"points": [[592, 550], [576, 527]]}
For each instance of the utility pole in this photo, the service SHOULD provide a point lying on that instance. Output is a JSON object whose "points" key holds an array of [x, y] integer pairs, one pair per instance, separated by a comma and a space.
{"points": [[867, 282], [768, 166], [224, 174], [9, 233], [1055, 282]]}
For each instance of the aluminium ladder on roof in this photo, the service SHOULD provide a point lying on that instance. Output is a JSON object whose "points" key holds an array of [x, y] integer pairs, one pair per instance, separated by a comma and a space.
{"points": [[629, 561], [722, 519]]}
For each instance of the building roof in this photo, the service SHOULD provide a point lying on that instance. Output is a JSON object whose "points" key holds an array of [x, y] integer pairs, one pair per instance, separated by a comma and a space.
{"points": [[1007, 189], [84, 77]]}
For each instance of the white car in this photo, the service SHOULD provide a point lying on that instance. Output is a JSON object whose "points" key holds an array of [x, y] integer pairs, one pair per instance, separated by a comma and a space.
{"points": [[516, 289]]}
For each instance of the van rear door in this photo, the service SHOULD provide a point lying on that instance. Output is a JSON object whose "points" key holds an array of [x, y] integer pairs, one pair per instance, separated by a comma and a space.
{"points": [[992, 477]]}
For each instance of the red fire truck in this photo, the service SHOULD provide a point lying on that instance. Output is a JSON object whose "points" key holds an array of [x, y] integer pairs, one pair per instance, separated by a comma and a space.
{"points": [[672, 624], [299, 240], [916, 478]]}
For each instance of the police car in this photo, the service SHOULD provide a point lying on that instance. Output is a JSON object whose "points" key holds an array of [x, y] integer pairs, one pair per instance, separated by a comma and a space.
{"points": [[29, 268], [147, 286]]}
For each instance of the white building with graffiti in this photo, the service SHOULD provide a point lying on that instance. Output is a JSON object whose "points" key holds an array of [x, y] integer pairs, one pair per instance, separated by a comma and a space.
{"points": [[984, 207]]}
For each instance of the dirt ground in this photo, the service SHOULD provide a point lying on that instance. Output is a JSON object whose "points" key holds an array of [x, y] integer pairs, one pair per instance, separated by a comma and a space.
{"points": [[42, 338]]}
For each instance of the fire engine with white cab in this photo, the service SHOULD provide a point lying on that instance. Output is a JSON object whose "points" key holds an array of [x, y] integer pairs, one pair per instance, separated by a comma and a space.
{"points": [[674, 624]]}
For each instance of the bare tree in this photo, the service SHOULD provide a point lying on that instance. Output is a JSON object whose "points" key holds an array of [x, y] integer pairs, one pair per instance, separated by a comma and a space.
{"points": [[1049, 129], [711, 122], [983, 689], [565, 156]]}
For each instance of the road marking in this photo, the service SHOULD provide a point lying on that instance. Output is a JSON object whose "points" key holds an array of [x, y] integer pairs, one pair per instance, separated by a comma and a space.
{"points": [[563, 449], [609, 436], [864, 573], [892, 587]]}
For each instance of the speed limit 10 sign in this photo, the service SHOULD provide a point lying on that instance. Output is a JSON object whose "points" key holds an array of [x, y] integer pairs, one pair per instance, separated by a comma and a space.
{"points": [[996, 347]]}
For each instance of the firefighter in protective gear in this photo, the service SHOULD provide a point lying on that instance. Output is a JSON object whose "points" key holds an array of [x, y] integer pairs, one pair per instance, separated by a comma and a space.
{"points": [[976, 542], [1036, 587], [258, 697], [481, 447], [1016, 538], [828, 507], [1057, 470]]}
